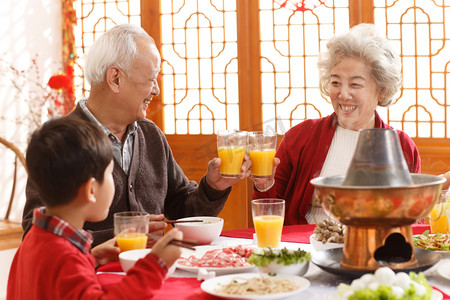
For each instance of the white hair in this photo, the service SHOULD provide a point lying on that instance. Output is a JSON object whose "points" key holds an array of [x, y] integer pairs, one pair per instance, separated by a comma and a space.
{"points": [[116, 47], [364, 42]]}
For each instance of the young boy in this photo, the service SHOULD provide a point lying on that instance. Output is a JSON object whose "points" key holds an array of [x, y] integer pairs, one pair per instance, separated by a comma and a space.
{"points": [[70, 161]]}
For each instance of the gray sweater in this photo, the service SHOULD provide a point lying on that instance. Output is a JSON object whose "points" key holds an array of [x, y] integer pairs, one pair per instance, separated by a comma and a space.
{"points": [[155, 184]]}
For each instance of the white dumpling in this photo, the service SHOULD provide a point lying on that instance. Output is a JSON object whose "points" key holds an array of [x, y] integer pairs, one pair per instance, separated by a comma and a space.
{"points": [[420, 289], [402, 280], [357, 284], [398, 291], [374, 285], [367, 279], [384, 276]]}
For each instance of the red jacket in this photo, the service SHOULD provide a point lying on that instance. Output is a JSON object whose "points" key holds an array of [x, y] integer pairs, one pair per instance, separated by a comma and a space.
{"points": [[47, 266], [302, 153]]}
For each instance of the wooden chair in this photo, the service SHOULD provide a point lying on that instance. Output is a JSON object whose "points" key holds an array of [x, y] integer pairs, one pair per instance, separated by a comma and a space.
{"points": [[11, 232]]}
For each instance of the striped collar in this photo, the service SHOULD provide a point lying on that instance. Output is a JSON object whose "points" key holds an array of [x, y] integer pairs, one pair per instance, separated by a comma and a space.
{"points": [[78, 237]]}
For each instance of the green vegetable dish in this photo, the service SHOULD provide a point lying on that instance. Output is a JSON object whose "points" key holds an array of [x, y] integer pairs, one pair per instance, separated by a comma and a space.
{"points": [[263, 257], [386, 285]]}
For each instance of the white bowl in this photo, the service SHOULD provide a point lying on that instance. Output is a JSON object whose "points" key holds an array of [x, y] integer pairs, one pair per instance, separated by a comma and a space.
{"points": [[319, 246], [203, 232], [298, 269], [129, 258]]}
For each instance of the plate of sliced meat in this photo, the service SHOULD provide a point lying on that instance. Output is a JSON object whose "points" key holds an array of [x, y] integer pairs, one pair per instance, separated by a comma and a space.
{"points": [[222, 260]]}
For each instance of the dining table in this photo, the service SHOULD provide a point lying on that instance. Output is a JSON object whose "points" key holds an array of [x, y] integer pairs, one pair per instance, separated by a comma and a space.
{"points": [[184, 285]]}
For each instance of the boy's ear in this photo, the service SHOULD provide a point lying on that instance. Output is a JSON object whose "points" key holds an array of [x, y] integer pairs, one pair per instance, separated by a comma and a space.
{"points": [[87, 190]]}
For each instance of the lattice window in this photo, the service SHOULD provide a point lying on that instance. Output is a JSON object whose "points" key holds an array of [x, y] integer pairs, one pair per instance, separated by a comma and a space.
{"points": [[420, 33], [200, 88], [290, 45], [94, 18], [200, 68]]}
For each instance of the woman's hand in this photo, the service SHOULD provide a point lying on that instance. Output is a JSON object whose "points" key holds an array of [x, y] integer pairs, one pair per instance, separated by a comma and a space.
{"points": [[264, 184], [446, 184]]}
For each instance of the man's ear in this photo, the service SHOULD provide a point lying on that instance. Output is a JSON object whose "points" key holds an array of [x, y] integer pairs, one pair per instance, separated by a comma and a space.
{"points": [[113, 78], [87, 190]]}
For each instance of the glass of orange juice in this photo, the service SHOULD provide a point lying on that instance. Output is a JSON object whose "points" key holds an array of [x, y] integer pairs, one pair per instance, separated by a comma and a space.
{"points": [[261, 150], [231, 147], [439, 216], [131, 228], [268, 219]]}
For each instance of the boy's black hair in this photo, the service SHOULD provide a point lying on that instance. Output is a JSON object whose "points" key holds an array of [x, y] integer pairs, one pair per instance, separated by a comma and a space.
{"points": [[63, 154]]}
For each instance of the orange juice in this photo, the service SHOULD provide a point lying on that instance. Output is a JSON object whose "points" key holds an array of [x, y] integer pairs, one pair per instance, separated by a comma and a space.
{"points": [[131, 240], [262, 162], [439, 216], [268, 230], [232, 158]]}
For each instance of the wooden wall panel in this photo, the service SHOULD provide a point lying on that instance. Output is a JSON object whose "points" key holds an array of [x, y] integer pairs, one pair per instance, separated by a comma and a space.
{"points": [[435, 155], [193, 153]]}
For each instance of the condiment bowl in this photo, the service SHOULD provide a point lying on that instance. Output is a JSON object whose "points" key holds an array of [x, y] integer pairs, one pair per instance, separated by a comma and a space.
{"points": [[298, 269], [319, 246], [281, 261], [129, 258], [203, 232]]}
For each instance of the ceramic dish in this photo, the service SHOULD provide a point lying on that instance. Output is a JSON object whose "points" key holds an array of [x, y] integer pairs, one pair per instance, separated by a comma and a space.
{"points": [[435, 295], [444, 254], [203, 232], [211, 286], [200, 251], [330, 261], [319, 246], [444, 269]]}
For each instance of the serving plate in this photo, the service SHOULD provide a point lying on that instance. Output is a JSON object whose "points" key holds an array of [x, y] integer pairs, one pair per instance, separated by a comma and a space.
{"points": [[319, 246], [200, 251], [443, 253], [435, 295], [330, 261], [444, 269], [211, 286]]}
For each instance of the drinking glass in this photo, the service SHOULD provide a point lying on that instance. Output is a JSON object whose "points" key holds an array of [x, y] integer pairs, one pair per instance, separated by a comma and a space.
{"points": [[231, 147], [439, 216], [131, 228], [268, 218], [261, 150]]}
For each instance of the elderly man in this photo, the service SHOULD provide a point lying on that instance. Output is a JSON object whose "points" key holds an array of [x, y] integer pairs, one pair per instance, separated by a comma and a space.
{"points": [[122, 67]]}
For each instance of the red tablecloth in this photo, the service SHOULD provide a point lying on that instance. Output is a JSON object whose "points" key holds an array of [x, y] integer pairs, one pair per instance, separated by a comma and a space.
{"points": [[189, 288], [172, 288], [300, 233]]}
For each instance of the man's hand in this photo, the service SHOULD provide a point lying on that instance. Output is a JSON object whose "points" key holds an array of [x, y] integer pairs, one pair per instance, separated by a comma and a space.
{"points": [[156, 227], [106, 252], [217, 182]]}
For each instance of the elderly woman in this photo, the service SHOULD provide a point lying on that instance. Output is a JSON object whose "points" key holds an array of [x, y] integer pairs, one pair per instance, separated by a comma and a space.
{"points": [[359, 72]]}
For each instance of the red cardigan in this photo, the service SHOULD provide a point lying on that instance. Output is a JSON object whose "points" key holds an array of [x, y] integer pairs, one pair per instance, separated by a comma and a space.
{"points": [[47, 266], [302, 153]]}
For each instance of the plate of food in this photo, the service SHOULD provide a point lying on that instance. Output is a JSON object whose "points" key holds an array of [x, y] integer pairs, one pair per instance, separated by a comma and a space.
{"points": [[319, 246], [439, 242], [384, 283], [444, 270], [281, 261], [255, 286], [222, 260], [328, 234]]}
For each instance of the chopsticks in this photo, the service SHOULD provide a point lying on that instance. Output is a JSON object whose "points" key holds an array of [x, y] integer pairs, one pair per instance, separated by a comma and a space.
{"points": [[181, 221], [180, 243]]}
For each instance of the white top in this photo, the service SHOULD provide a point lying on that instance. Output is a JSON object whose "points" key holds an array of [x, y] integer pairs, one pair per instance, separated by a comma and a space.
{"points": [[337, 162]]}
